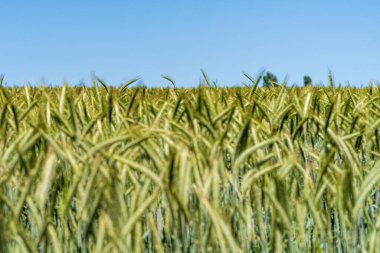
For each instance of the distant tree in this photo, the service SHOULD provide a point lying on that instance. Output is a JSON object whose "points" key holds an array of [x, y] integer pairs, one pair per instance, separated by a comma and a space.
{"points": [[307, 80], [268, 79]]}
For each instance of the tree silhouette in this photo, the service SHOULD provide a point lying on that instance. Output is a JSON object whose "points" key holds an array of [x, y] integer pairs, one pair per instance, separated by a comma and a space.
{"points": [[268, 79], [307, 80]]}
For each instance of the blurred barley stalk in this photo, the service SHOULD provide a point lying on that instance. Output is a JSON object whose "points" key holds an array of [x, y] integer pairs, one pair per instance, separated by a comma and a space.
{"points": [[100, 169]]}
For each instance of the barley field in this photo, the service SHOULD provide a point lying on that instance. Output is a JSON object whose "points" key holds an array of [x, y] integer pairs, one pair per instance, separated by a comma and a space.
{"points": [[245, 169]]}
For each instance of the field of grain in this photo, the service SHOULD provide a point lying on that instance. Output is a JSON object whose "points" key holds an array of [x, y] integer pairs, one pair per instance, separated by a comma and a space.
{"points": [[250, 169]]}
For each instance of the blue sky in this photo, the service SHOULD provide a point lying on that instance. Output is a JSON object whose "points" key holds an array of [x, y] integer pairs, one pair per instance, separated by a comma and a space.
{"points": [[56, 41]]}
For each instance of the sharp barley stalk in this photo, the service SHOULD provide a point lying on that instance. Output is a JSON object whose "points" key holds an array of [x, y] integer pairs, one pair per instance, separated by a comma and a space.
{"points": [[100, 169]]}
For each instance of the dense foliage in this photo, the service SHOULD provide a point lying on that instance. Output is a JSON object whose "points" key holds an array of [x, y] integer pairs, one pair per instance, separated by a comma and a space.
{"points": [[269, 79], [189, 170], [307, 80]]}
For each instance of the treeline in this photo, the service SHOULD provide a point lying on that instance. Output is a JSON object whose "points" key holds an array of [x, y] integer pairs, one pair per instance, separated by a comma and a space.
{"points": [[270, 79]]}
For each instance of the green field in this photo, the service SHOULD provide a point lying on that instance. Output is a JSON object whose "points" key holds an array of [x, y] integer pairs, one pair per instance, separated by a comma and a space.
{"points": [[250, 169]]}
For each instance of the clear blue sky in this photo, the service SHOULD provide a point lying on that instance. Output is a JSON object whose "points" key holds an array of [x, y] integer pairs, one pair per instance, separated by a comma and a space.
{"points": [[67, 40]]}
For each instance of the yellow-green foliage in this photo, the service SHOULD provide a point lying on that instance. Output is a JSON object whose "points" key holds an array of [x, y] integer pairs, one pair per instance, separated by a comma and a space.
{"points": [[189, 170]]}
